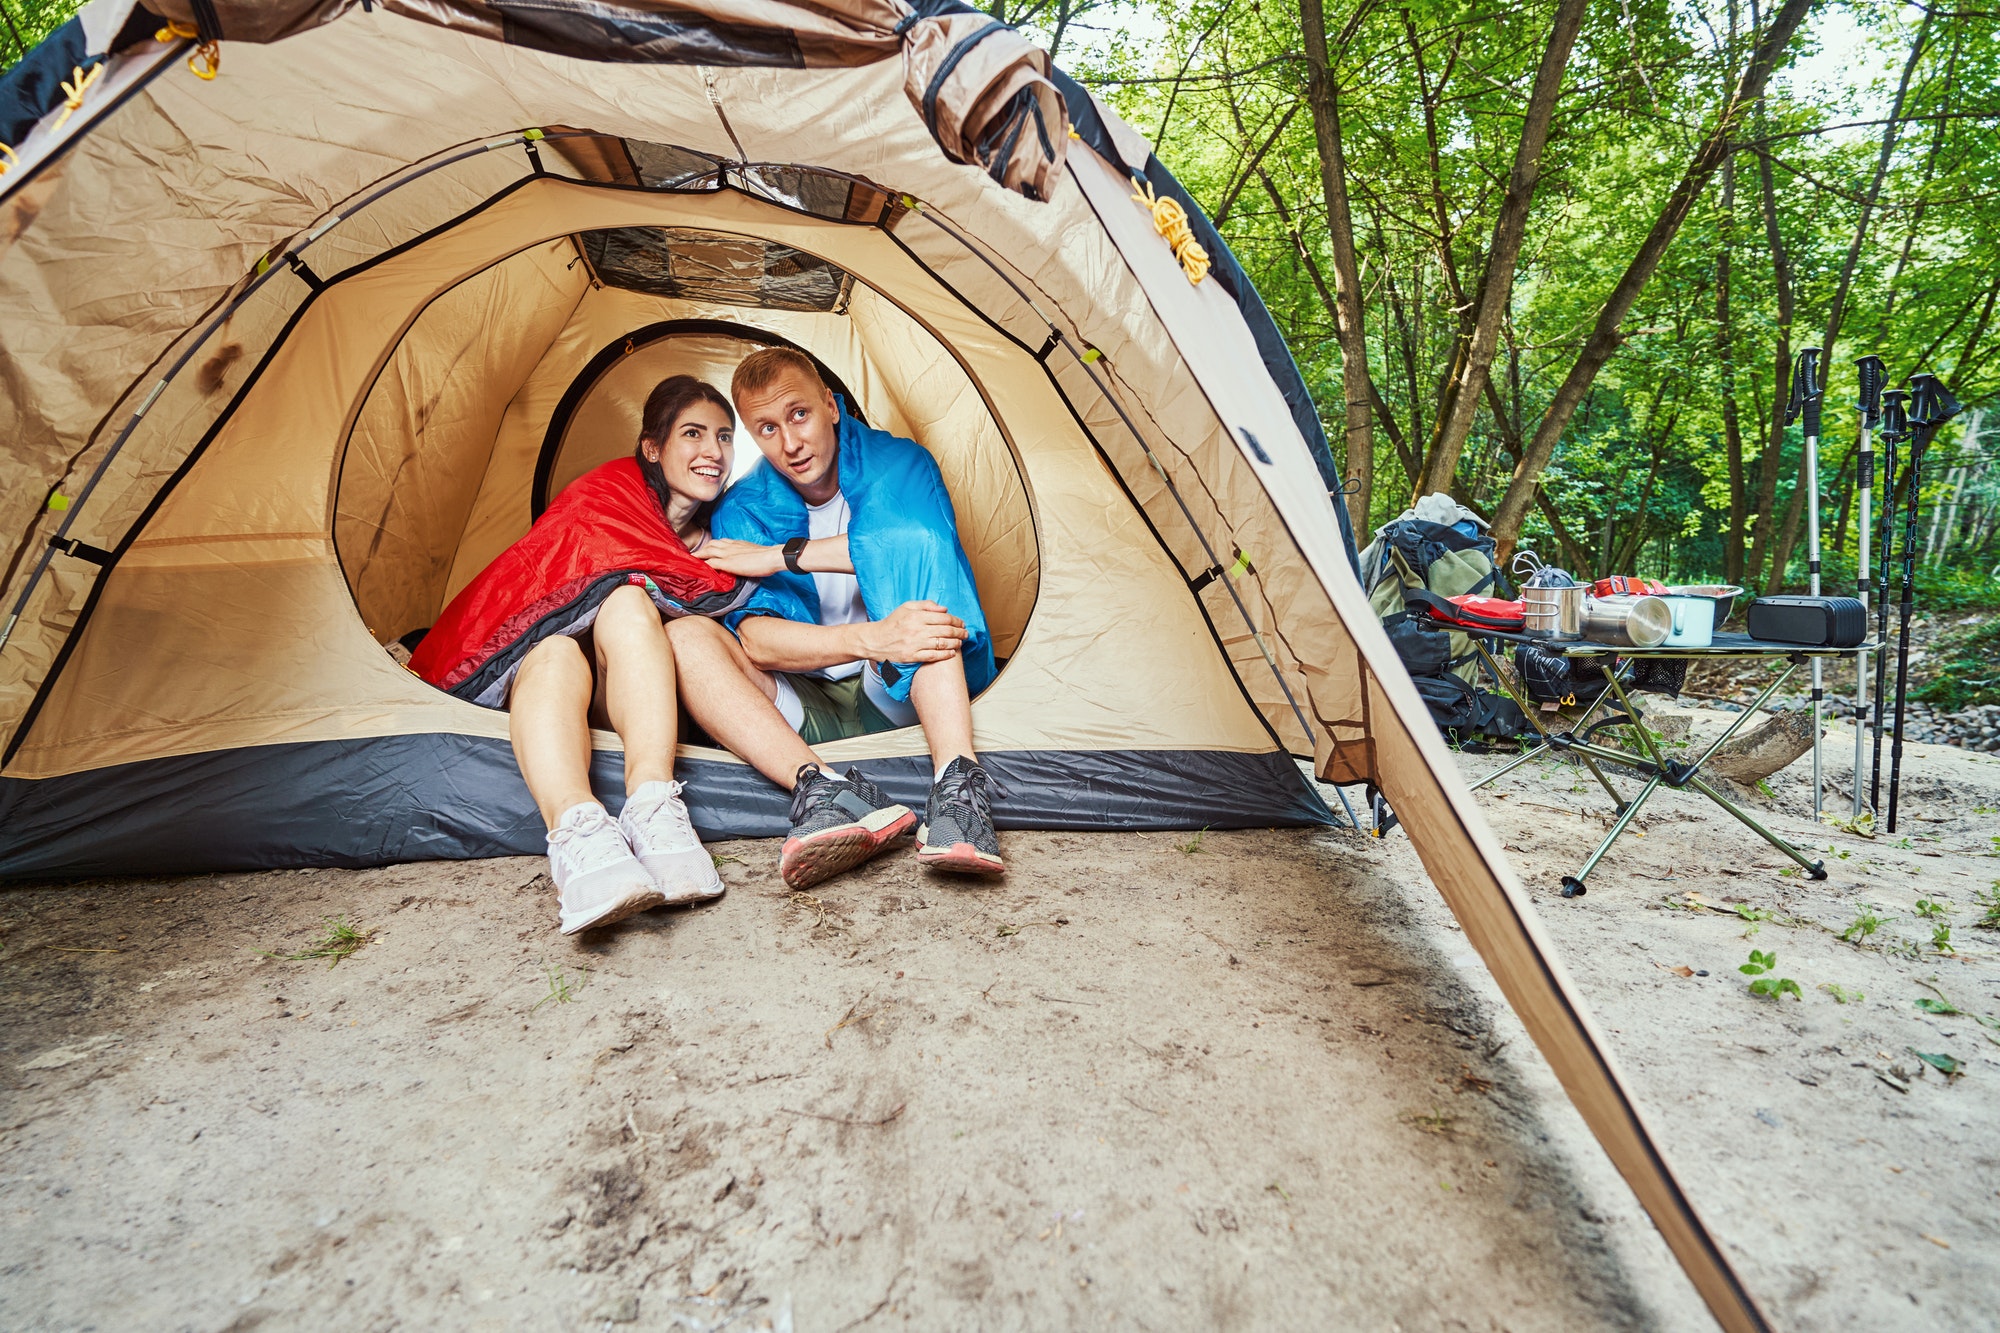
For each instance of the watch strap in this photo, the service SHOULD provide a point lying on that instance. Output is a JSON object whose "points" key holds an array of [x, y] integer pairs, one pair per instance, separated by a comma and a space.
{"points": [[793, 549]]}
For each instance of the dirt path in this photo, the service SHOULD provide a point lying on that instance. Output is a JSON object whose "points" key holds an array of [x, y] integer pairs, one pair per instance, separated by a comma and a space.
{"points": [[1262, 1084]]}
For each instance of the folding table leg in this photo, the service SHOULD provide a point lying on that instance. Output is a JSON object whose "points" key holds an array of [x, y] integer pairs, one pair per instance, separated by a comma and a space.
{"points": [[1816, 869], [1573, 886]]}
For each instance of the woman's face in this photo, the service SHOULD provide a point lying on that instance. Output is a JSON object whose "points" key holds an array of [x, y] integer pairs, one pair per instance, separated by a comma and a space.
{"points": [[696, 453]]}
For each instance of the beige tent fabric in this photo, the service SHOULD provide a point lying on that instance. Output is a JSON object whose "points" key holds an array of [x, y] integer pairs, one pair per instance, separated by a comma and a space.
{"points": [[408, 473], [237, 565], [982, 87]]}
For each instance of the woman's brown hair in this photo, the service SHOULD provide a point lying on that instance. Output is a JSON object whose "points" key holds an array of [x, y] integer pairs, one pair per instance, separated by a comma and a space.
{"points": [[670, 398]]}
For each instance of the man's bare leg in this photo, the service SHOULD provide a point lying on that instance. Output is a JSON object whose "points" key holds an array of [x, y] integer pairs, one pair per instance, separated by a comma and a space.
{"points": [[837, 823], [734, 701], [944, 710]]}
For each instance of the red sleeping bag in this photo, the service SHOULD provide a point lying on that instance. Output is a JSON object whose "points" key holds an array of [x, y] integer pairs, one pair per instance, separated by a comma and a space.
{"points": [[605, 530]]}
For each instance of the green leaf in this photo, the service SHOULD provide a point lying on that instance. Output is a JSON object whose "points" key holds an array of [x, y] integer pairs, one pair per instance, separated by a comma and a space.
{"points": [[1944, 1064], [1930, 1006]]}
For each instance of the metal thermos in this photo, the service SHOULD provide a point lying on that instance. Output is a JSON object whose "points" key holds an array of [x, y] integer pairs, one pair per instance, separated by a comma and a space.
{"points": [[1627, 622], [1555, 613]]}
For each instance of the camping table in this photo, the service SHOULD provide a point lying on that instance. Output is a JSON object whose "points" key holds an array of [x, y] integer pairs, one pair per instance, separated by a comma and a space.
{"points": [[1647, 759]]}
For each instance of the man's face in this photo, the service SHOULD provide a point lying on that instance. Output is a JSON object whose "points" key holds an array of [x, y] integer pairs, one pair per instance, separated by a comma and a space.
{"points": [[794, 422]]}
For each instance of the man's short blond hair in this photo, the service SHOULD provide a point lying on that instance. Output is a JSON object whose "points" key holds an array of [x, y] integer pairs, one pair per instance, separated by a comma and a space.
{"points": [[761, 369]]}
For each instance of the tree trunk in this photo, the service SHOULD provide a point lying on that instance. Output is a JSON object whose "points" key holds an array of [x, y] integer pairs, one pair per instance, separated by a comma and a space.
{"points": [[1460, 401], [1725, 354], [1605, 335], [1774, 439], [1324, 99]]}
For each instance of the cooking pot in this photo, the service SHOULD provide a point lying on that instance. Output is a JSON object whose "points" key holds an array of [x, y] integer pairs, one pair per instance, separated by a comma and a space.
{"points": [[1554, 612], [1627, 621]]}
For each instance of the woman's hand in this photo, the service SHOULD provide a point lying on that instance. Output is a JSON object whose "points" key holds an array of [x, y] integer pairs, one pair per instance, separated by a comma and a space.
{"points": [[744, 559], [913, 632]]}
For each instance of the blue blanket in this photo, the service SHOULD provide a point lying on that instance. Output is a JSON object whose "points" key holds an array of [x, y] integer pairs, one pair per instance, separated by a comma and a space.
{"points": [[902, 536]]}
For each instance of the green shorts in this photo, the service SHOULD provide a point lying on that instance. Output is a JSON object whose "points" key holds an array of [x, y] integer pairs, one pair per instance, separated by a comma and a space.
{"points": [[835, 709]]}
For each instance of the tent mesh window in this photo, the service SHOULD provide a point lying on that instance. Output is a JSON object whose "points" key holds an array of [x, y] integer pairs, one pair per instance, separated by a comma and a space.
{"points": [[693, 265]]}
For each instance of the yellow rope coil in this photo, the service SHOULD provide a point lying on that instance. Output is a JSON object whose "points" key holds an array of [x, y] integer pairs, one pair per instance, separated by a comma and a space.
{"points": [[1171, 221], [12, 158], [73, 89], [211, 52]]}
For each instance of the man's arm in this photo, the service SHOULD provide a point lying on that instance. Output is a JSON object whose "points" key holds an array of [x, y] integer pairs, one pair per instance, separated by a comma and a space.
{"points": [[913, 632], [750, 560]]}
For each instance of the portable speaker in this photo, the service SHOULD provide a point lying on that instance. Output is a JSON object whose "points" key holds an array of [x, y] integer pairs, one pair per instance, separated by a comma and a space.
{"points": [[1818, 622]]}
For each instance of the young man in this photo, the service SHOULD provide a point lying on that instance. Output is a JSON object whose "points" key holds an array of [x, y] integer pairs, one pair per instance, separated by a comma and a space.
{"points": [[866, 618]]}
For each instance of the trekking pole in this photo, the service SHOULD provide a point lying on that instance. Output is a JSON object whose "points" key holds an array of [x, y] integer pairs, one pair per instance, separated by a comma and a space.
{"points": [[1805, 404], [1931, 405], [1895, 429], [1870, 368]]}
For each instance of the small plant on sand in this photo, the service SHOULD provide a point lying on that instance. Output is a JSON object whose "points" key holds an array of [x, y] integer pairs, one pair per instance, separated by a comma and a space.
{"points": [[1989, 900], [562, 986], [1930, 907], [339, 940], [1840, 993], [1192, 845], [1941, 940], [1759, 966], [1864, 925]]}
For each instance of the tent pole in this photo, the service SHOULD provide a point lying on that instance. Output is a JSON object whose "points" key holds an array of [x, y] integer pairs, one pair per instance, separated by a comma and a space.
{"points": [[1806, 402], [1870, 368]]}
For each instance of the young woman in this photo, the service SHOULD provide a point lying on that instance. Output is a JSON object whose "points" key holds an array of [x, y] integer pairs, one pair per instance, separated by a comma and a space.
{"points": [[564, 631]]}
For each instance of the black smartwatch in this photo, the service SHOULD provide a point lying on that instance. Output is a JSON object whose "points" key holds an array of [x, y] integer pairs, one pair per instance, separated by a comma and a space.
{"points": [[793, 549]]}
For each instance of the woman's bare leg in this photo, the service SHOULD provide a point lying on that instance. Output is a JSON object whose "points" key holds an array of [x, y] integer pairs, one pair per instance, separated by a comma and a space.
{"points": [[732, 699], [636, 664], [548, 721]]}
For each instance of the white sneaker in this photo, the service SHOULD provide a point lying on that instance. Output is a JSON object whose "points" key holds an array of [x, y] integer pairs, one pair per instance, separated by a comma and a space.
{"points": [[656, 824], [598, 880]]}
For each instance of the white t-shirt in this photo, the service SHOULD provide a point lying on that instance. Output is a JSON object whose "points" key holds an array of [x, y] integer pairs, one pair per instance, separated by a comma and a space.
{"points": [[840, 604], [839, 594]]}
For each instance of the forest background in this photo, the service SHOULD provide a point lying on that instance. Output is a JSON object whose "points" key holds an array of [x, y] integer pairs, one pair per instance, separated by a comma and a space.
{"points": [[1557, 256]]}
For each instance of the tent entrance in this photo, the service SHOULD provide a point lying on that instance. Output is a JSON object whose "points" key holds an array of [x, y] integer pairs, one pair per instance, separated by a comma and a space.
{"points": [[519, 377], [583, 432]]}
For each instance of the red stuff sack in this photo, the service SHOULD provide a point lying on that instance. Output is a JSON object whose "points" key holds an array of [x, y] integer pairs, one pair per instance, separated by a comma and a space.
{"points": [[1469, 611], [1620, 585]]}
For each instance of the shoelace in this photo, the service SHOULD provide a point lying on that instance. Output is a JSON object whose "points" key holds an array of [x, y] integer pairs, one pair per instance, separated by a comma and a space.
{"points": [[678, 826], [804, 788], [580, 841], [963, 792]]}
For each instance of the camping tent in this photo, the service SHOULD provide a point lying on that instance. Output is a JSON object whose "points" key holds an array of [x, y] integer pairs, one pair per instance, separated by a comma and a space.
{"points": [[289, 353]]}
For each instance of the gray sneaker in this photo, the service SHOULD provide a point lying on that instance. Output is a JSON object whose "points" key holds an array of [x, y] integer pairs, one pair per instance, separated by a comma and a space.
{"points": [[957, 832], [837, 823]]}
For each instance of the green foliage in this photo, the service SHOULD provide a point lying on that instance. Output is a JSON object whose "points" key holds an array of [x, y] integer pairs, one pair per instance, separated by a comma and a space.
{"points": [[1989, 899], [1941, 939], [1762, 963], [1965, 668], [24, 23], [1927, 907], [1841, 994], [1675, 462], [1865, 923], [340, 939]]}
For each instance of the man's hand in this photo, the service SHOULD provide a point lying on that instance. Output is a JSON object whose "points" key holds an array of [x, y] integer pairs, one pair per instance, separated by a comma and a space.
{"points": [[913, 632], [744, 559]]}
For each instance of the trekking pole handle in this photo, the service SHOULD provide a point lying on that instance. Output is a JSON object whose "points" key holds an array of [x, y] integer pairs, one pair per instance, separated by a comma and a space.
{"points": [[1805, 390], [1931, 404], [1895, 420], [1870, 368]]}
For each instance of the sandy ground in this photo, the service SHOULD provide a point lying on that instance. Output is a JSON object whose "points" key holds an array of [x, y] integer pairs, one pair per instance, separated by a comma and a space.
{"points": [[1256, 1081]]}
